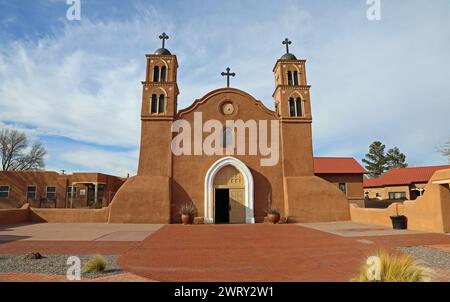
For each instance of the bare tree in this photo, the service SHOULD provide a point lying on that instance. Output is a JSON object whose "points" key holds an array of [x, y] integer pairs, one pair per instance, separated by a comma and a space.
{"points": [[445, 150], [13, 151]]}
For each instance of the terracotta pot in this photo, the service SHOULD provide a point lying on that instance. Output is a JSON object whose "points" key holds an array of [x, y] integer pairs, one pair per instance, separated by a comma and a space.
{"points": [[187, 219], [273, 218]]}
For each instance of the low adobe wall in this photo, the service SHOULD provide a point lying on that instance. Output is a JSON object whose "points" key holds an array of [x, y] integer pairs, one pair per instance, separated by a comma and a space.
{"points": [[69, 215], [374, 216], [15, 216], [142, 199], [313, 199], [430, 212]]}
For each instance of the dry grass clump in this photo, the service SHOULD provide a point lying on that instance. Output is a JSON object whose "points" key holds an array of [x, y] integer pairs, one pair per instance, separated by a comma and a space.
{"points": [[95, 265], [396, 268]]}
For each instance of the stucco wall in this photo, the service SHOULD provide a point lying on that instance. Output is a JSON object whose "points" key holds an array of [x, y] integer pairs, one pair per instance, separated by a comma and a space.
{"points": [[430, 212], [142, 199], [189, 172], [69, 215], [354, 184], [14, 216], [313, 199], [384, 192]]}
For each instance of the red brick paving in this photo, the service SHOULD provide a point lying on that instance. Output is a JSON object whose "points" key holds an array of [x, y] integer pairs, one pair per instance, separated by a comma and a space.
{"points": [[258, 252], [245, 253]]}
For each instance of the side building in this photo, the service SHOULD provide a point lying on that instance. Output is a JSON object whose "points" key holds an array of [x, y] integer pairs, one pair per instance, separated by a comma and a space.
{"points": [[345, 173], [48, 189], [400, 184]]}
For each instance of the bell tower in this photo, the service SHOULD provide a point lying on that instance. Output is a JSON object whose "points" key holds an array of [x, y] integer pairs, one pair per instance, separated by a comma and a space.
{"points": [[160, 89], [159, 109], [293, 108]]}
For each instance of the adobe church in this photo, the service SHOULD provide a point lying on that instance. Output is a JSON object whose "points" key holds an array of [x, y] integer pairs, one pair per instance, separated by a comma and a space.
{"points": [[226, 188]]}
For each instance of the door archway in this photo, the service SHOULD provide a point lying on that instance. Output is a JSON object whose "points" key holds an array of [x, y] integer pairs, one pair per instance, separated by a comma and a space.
{"points": [[210, 188]]}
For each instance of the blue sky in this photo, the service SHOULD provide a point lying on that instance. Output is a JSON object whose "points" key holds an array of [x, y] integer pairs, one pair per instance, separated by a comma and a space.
{"points": [[76, 84]]}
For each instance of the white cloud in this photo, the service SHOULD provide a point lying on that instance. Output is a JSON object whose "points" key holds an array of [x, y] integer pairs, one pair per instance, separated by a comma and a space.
{"points": [[83, 83], [381, 80], [91, 160]]}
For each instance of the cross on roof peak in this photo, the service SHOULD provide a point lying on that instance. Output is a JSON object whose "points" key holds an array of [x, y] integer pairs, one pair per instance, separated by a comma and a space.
{"points": [[163, 37], [228, 74], [287, 42]]}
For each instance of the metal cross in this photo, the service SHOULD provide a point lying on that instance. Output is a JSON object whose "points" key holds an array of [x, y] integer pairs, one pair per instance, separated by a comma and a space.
{"points": [[163, 37], [228, 75], [287, 43]]}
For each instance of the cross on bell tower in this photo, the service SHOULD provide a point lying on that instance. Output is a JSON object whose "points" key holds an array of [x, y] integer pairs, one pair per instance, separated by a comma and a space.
{"points": [[287, 43], [228, 74], [164, 37]]}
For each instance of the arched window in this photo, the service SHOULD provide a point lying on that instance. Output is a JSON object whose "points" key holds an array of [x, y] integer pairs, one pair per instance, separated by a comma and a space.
{"points": [[295, 107], [299, 106], [291, 107], [163, 74], [289, 78], [154, 104], [227, 138], [296, 78], [161, 105], [156, 74]]}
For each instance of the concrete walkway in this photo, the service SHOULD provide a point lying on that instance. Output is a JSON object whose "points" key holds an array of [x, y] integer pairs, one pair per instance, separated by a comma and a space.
{"points": [[77, 232], [353, 229]]}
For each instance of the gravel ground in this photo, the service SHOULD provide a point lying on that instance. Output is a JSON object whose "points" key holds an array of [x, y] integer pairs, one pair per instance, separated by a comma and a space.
{"points": [[429, 256], [53, 264]]}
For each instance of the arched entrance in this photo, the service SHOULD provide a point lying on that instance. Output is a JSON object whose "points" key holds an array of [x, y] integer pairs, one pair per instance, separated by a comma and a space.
{"points": [[229, 186]]}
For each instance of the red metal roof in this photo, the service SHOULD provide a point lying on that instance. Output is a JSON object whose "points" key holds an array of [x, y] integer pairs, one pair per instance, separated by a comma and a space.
{"points": [[404, 176], [337, 165]]}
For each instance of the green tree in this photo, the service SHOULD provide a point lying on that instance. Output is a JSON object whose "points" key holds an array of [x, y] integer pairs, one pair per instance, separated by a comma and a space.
{"points": [[395, 159], [376, 159]]}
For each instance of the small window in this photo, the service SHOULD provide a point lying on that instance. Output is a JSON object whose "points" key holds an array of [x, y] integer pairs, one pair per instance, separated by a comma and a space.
{"points": [[343, 187], [291, 107], [290, 83], [31, 192], [161, 105], [154, 104], [51, 193], [163, 74], [298, 104], [397, 195], [296, 78], [156, 74], [227, 138], [295, 107], [69, 192], [4, 191]]}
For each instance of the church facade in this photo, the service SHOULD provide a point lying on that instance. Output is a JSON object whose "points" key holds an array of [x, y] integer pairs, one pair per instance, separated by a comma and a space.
{"points": [[231, 184]]}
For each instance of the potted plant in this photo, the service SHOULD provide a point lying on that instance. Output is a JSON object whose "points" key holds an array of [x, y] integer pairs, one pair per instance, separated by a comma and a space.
{"points": [[399, 222], [187, 212], [273, 215]]}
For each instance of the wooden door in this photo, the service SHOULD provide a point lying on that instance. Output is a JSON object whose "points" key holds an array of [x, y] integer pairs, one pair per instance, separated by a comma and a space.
{"points": [[232, 180], [237, 206]]}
